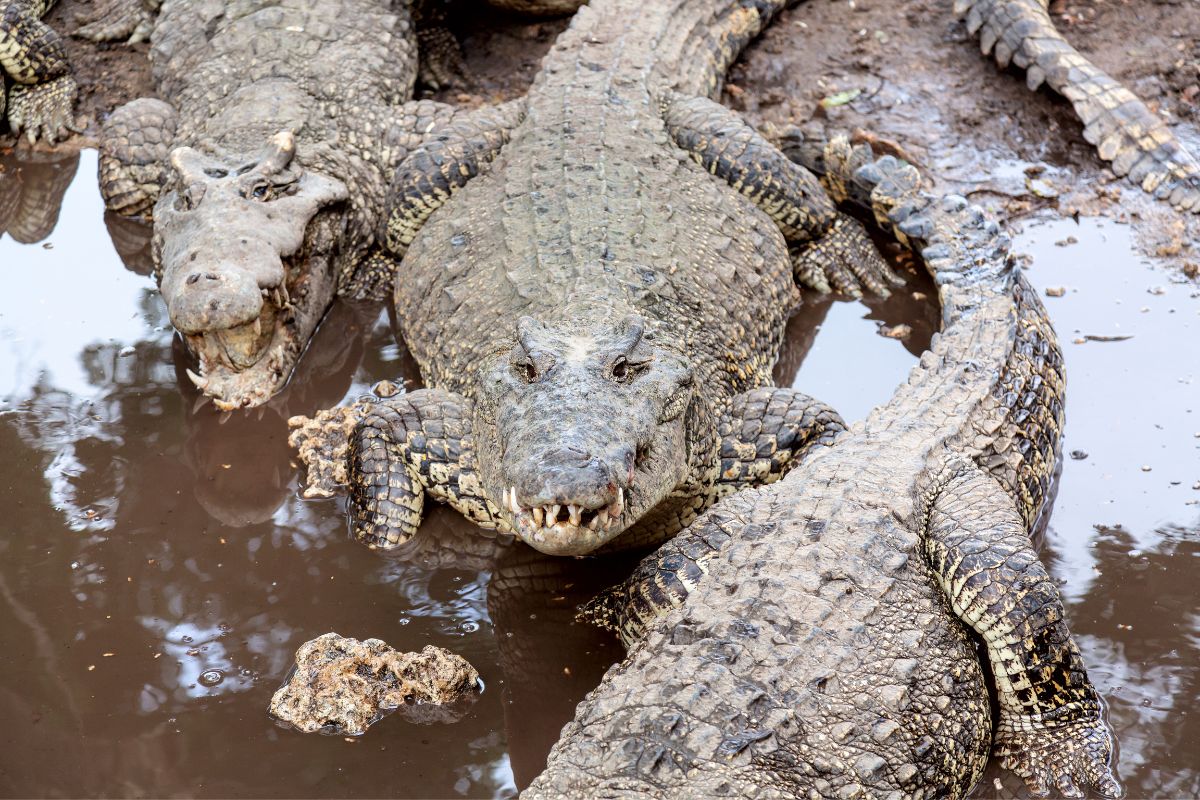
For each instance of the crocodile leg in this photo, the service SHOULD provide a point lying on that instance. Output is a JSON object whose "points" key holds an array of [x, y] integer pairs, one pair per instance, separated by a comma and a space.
{"points": [[1050, 731], [829, 249], [762, 436], [766, 431], [128, 21], [437, 149], [1137, 142], [451, 155], [135, 144], [41, 100], [401, 448], [662, 580]]}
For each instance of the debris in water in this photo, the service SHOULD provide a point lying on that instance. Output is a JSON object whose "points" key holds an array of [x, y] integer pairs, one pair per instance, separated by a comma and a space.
{"points": [[211, 677], [840, 98], [1041, 188], [900, 331], [1067, 241], [1096, 337], [342, 686], [1145, 467], [1055, 291], [1079, 455]]}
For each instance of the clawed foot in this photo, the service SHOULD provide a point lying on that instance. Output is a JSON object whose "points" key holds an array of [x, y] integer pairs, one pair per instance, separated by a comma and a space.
{"points": [[118, 21], [845, 260], [43, 110], [323, 444], [1070, 756]]}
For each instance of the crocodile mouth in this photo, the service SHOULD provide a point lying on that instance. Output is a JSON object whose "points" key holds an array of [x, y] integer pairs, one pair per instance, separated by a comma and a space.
{"points": [[565, 528], [244, 365]]}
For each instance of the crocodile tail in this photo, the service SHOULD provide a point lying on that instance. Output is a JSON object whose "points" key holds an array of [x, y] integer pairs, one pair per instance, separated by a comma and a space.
{"points": [[1138, 142]]}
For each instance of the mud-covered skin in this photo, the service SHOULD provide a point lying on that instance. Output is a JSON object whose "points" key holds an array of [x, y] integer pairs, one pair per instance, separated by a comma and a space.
{"points": [[267, 172], [814, 647], [37, 95], [594, 287], [1137, 142]]}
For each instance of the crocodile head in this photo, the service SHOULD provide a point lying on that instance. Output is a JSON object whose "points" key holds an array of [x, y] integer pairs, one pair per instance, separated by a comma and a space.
{"points": [[245, 276], [581, 430]]}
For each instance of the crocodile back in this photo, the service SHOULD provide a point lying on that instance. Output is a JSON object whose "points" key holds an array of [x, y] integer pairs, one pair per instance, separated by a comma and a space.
{"points": [[590, 213]]}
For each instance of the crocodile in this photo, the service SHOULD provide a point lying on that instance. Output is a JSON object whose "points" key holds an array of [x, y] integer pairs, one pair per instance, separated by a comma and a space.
{"points": [[38, 91], [266, 174], [817, 637], [596, 290]]}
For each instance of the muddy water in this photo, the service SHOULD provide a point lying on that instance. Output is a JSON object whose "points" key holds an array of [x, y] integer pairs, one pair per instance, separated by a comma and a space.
{"points": [[158, 570]]}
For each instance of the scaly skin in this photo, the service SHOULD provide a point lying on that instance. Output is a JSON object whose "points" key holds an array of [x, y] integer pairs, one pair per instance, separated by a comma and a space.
{"points": [[40, 90], [596, 283], [804, 638], [1138, 142], [267, 172]]}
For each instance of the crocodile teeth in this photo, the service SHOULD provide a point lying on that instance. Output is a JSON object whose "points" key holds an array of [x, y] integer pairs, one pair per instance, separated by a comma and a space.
{"points": [[576, 513], [538, 516], [552, 513], [594, 523], [201, 382]]}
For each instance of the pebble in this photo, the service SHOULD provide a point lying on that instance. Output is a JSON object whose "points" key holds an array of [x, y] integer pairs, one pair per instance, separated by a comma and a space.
{"points": [[1145, 467], [1079, 455], [1055, 291]]}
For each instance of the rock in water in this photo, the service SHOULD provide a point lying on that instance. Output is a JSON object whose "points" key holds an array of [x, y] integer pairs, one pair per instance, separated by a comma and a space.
{"points": [[342, 686]]}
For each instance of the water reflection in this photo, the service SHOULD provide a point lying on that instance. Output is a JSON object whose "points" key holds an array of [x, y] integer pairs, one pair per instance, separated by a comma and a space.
{"points": [[157, 571]]}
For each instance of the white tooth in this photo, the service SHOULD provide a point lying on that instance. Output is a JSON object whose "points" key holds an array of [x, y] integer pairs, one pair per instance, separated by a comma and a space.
{"points": [[575, 512], [258, 326], [620, 499], [512, 501], [198, 380], [504, 499], [537, 516], [552, 513], [602, 515], [594, 522]]}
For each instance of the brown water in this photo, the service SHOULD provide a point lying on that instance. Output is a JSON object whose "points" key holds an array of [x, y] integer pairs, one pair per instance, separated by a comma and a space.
{"points": [[158, 571]]}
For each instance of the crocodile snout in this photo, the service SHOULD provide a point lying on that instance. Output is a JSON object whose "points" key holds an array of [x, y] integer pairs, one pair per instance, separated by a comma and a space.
{"points": [[213, 298]]}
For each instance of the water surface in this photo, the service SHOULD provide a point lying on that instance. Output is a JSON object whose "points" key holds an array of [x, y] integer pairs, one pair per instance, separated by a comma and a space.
{"points": [[150, 542]]}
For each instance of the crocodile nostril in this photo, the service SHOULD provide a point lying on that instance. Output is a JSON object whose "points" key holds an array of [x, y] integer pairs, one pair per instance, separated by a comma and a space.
{"points": [[212, 277], [195, 276]]}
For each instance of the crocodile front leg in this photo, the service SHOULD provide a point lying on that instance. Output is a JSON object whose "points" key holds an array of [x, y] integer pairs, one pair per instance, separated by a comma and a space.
{"points": [[41, 100], [766, 431], [829, 249], [763, 435], [436, 149], [135, 144], [450, 155], [400, 449], [1050, 731]]}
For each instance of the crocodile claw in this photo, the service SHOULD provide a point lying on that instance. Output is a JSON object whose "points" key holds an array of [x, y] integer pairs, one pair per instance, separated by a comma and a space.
{"points": [[1069, 756], [44, 110]]}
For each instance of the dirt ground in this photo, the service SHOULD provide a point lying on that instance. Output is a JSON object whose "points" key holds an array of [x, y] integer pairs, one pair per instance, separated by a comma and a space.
{"points": [[917, 78]]}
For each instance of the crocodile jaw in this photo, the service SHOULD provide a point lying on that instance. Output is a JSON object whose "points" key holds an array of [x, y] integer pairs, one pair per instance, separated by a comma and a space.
{"points": [[244, 366], [565, 530]]}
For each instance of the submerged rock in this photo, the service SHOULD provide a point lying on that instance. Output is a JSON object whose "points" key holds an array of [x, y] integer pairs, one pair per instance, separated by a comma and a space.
{"points": [[342, 686]]}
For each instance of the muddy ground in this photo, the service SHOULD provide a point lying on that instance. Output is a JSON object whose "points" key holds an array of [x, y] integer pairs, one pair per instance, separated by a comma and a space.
{"points": [[920, 83]]}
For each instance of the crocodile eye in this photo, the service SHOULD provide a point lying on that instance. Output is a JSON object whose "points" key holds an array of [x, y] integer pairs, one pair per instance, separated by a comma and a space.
{"points": [[526, 371], [261, 191], [623, 370]]}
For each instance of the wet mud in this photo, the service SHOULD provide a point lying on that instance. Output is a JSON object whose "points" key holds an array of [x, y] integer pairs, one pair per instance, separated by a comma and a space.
{"points": [[159, 570]]}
